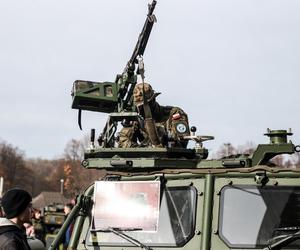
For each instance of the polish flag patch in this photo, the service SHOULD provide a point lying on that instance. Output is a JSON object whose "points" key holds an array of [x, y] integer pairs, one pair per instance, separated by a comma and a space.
{"points": [[176, 116]]}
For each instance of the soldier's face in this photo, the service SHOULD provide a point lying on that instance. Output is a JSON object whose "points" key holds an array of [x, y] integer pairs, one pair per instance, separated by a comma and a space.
{"points": [[140, 92], [138, 97]]}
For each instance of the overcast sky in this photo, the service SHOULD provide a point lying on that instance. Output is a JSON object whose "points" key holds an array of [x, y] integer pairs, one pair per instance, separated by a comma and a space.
{"points": [[232, 65]]}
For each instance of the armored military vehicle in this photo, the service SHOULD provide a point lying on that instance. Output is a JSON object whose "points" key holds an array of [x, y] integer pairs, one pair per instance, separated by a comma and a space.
{"points": [[159, 196], [54, 217]]}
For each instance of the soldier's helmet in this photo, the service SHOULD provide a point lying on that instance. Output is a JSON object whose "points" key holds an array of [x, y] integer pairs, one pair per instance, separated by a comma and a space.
{"points": [[141, 91]]}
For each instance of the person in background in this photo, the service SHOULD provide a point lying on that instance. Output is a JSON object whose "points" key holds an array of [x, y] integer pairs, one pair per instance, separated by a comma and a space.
{"points": [[67, 209], [17, 207], [39, 226], [29, 229]]}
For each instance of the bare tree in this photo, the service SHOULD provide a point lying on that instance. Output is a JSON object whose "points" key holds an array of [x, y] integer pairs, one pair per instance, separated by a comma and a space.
{"points": [[226, 150], [37, 175], [46, 174], [13, 169], [74, 150], [76, 177], [248, 148]]}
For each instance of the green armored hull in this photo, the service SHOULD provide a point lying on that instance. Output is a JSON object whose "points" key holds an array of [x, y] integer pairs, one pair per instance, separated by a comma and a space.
{"points": [[229, 203]]}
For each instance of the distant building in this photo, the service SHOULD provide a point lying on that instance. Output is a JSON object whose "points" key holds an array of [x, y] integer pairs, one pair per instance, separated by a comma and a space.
{"points": [[48, 198]]}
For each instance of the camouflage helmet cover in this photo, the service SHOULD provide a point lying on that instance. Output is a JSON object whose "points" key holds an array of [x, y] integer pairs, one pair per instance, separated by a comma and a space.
{"points": [[142, 90]]}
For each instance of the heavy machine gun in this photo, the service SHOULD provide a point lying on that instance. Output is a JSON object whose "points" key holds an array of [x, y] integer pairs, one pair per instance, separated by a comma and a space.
{"points": [[111, 97]]}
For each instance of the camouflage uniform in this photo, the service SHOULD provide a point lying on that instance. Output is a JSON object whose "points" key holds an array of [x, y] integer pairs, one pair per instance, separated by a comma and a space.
{"points": [[131, 134], [171, 122]]}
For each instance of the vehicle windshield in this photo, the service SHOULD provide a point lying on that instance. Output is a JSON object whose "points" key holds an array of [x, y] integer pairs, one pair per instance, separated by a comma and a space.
{"points": [[176, 222], [251, 216]]}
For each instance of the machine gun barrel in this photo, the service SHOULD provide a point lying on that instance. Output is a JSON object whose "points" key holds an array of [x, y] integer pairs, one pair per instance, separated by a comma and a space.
{"points": [[126, 82], [143, 37], [138, 51]]}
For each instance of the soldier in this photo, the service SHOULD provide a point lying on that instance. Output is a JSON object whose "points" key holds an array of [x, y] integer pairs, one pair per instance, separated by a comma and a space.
{"points": [[161, 125]]}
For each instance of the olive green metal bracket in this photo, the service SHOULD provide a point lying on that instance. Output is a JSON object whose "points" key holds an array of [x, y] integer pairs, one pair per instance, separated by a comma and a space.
{"points": [[79, 211], [278, 145]]}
